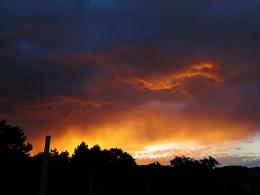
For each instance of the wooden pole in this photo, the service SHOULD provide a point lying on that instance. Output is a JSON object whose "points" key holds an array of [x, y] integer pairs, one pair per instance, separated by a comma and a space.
{"points": [[44, 170]]}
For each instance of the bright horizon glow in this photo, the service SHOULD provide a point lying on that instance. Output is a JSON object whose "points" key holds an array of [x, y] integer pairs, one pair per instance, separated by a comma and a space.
{"points": [[246, 150]]}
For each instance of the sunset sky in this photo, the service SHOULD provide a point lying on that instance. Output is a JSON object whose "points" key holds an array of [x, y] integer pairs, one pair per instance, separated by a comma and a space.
{"points": [[157, 78]]}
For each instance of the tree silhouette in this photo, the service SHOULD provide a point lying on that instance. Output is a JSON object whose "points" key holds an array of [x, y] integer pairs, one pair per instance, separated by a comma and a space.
{"points": [[59, 165], [13, 144], [188, 162], [120, 158], [113, 171], [209, 163], [184, 162], [81, 153], [14, 158]]}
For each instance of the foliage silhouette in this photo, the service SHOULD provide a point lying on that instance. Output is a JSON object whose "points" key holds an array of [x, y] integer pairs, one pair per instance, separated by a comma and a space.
{"points": [[13, 144], [188, 162], [14, 151], [112, 171]]}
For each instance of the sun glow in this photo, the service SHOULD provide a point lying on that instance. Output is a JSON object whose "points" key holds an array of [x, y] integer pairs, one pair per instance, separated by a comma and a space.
{"points": [[168, 149]]}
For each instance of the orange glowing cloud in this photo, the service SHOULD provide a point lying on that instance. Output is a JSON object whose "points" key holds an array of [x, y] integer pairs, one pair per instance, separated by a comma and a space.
{"points": [[112, 113], [208, 74], [129, 101], [155, 123]]}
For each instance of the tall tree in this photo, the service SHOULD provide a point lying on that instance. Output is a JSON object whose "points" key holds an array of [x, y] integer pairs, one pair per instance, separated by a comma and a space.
{"points": [[13, 145]]}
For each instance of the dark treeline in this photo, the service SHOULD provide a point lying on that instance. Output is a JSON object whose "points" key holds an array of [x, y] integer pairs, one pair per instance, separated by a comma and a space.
{"points": [[106, 172]]}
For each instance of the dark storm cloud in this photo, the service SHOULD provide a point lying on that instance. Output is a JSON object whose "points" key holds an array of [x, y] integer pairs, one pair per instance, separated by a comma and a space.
{"points": [[96, 58]]}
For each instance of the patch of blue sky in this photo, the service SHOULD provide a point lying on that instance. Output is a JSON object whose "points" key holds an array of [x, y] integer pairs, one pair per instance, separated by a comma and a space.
{"points": [[103, 4]]}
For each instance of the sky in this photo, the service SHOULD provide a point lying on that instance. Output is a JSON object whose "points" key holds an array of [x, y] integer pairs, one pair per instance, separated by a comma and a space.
{"points": [[157, 78]]}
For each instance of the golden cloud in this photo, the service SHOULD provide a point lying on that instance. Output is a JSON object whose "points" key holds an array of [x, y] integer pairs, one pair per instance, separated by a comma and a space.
{"points": [[170, 81]]}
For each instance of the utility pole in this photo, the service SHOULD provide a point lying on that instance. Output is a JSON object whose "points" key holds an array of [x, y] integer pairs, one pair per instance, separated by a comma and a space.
{"points": [[44, 170]]}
